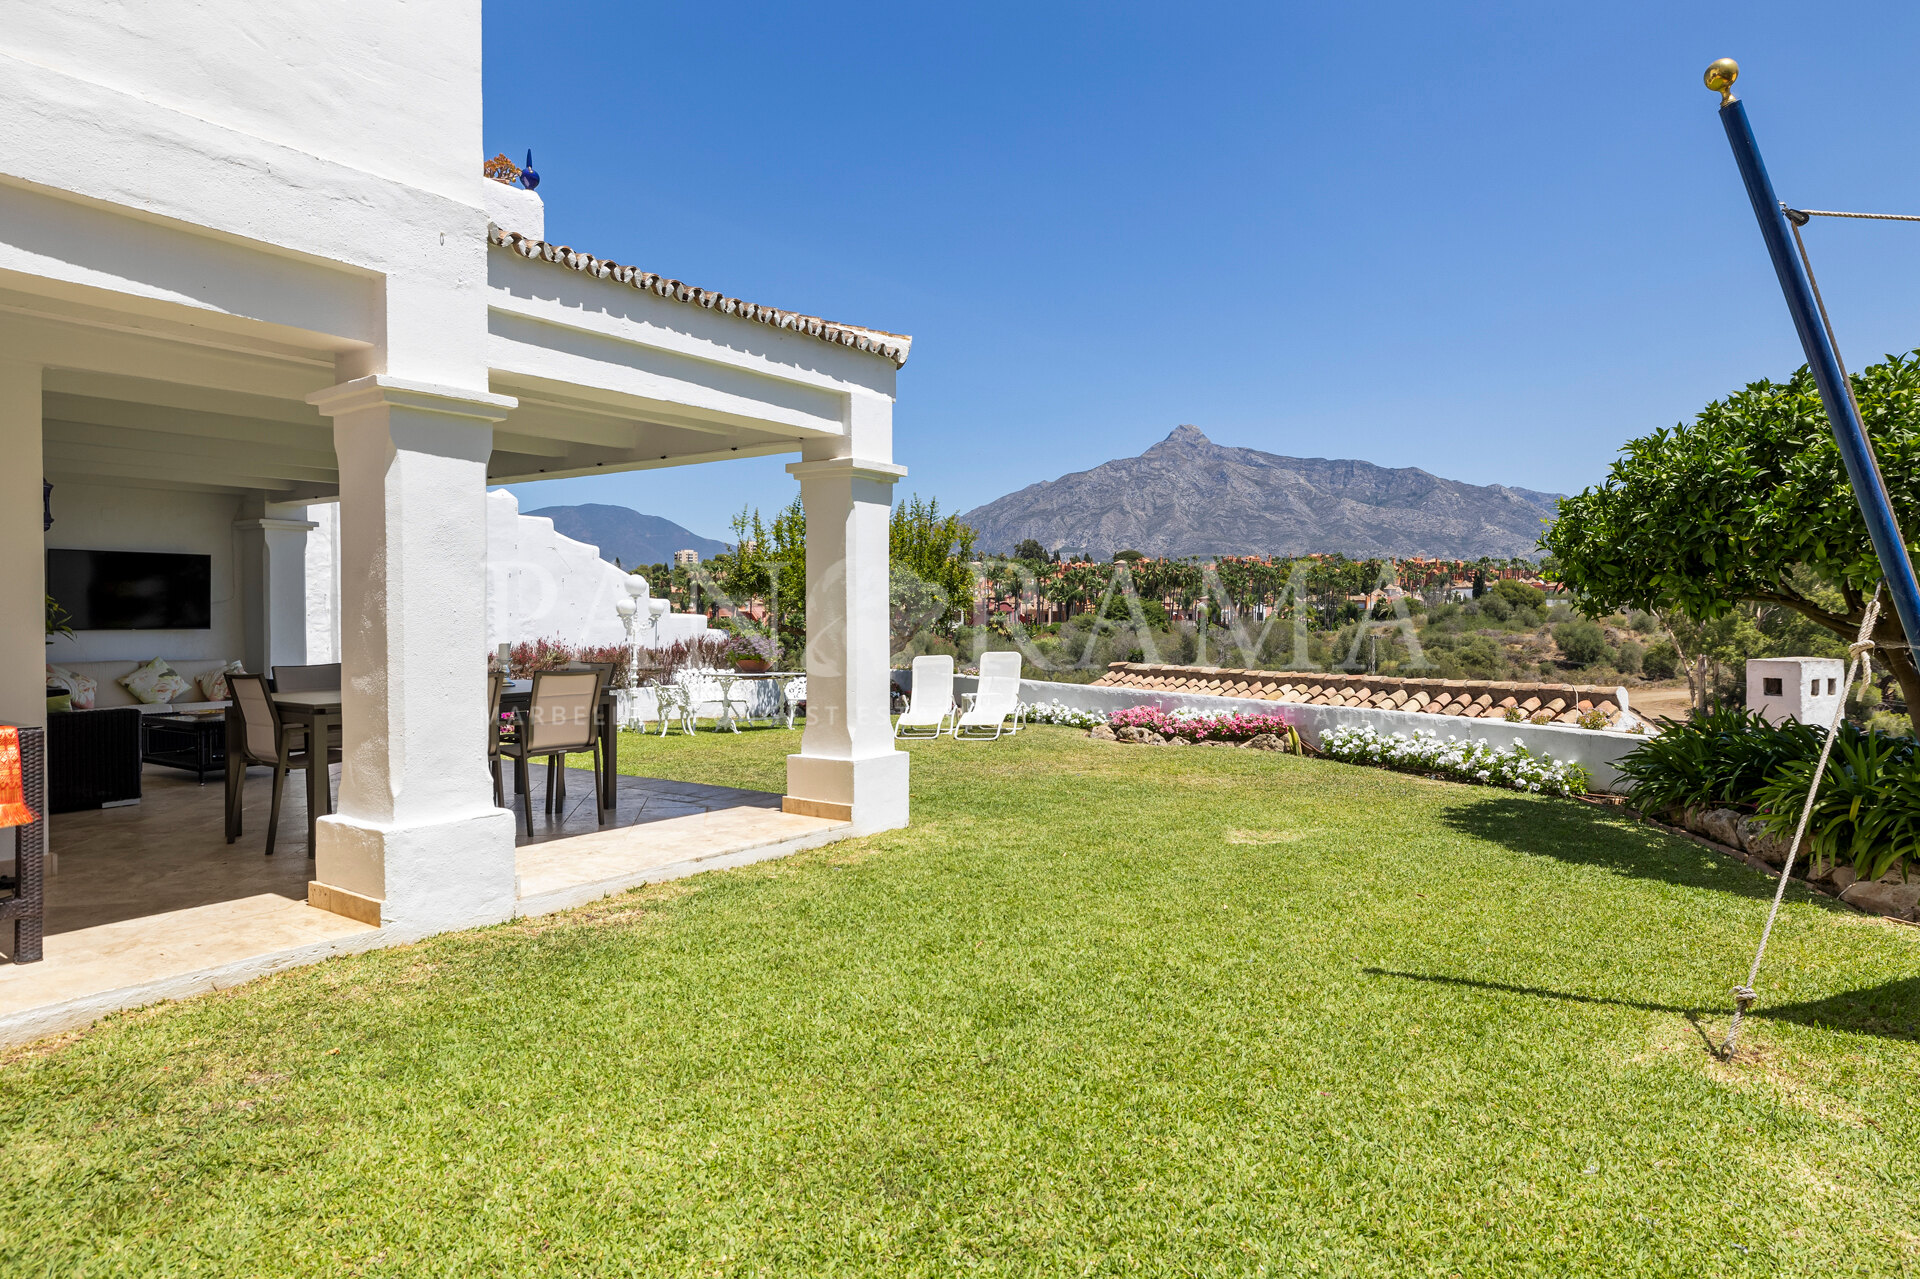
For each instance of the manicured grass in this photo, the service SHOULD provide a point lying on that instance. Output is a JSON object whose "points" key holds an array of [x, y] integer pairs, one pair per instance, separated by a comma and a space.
{"points": [[1101, 1010]]}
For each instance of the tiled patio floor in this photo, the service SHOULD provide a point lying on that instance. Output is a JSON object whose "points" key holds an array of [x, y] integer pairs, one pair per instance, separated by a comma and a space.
{"points": [[150, 902]]}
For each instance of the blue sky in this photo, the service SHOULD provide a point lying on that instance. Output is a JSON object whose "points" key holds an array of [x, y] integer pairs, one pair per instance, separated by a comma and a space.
{"points": [[1492, 241]]}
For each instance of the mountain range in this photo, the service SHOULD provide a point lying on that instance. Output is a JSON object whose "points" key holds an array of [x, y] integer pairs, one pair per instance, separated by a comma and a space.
{"points": [[625, 535], [1189, 496]]}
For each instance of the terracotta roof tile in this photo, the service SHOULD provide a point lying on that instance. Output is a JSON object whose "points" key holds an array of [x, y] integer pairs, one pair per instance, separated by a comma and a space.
{"points": [[891, 346]]}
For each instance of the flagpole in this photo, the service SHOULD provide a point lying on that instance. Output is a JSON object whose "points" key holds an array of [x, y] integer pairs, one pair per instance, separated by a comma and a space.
{"points": [[1869, 489]]}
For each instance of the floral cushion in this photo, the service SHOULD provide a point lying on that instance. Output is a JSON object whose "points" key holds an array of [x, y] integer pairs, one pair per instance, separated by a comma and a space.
{"points": [[213, 684], [81, 686], [156, 682]]}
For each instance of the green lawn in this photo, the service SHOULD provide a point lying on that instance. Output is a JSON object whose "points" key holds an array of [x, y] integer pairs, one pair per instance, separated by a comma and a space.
{"points": [[1102, 1010]]}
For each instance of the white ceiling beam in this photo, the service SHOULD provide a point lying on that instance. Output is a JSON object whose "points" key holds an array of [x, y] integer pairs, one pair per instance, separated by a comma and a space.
{"points": [[646, 464], [186, 466], [58, 433], [114, 472], [54, 345], [183, 423], [61, 479], [177, 395]]}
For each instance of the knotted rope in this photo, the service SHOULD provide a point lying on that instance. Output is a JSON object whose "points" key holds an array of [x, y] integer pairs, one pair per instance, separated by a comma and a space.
{"points": [[1745, 996]]}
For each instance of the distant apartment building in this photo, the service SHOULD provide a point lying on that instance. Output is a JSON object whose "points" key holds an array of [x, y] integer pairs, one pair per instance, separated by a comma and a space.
{"points": [[685, 559]]}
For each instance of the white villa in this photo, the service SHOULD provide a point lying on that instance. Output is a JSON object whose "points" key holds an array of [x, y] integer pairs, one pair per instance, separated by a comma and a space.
{"points": [[250, 269]]}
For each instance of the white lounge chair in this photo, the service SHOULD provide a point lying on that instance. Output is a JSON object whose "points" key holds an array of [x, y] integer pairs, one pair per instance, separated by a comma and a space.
{"points": [[985, 715], [932, 704]]}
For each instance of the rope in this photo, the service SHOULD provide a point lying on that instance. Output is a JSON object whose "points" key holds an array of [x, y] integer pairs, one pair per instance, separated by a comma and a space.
{"points": [[1799, 216], [1745, 996]]}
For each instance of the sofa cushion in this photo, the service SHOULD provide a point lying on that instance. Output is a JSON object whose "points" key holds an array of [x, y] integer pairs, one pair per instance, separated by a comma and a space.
{"points": [[81, 687], [212, 685], [156, 682], [108, 674]]}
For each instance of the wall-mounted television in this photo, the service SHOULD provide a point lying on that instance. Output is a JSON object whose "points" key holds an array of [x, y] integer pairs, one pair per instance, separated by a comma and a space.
{"points": [[132, 590]]}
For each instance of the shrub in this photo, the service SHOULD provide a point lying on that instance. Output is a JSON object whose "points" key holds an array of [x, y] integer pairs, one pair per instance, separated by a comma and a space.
{"points": [[1519, 594], [1496, 607], [1466, 761], [1628, 658], [1202, 726], [1724, 757], [1867, 813], [1662, 660], [1581, 642], [1055, 712]]}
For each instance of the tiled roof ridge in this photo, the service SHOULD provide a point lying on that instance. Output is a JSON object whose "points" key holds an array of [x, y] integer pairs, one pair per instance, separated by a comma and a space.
{"points": [[892, 346], [1471, 698]]}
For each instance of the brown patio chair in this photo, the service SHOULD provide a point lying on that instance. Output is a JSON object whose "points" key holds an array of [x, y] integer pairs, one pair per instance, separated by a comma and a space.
{"points": [[496, 685], [306, 679], [562, 717], [265, 740]]}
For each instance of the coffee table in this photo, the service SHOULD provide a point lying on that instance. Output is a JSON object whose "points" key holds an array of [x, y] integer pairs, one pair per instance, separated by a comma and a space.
{"points": [[196, 743]]}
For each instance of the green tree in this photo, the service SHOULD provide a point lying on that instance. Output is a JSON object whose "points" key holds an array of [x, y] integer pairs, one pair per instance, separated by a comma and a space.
{"points": [[932, 580], [1581, 642], [1749, 503], [1127, 556], [1031, 551], [1519, 594], [1662, 660]]}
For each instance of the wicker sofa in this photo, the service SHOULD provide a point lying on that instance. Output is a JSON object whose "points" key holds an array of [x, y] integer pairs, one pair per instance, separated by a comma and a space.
{"points": [[93, 755], [107, 675]]}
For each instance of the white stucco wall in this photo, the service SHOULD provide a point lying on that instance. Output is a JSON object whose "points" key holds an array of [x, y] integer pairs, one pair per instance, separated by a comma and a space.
{"points": [[388, 88], [323, 583], [542, 584], [312, 164], [103, 518], [1596, 751]]}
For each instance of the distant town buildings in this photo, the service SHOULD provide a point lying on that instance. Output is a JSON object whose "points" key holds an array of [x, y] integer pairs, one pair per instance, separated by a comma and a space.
{"points": [[685, 559]]}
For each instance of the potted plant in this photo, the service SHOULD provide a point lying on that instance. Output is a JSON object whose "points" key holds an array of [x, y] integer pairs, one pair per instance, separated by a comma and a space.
{"points": [[751, 654]]}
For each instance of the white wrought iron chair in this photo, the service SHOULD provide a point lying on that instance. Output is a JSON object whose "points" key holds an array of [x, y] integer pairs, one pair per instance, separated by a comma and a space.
{"points": [[670, 704], [987, 711], [794, 692], [701, 689], [931, 707]]}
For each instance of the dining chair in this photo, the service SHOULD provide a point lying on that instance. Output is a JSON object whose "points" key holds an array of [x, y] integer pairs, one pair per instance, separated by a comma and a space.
{"points": [[267, 741], [562, 717], [306, 679], [496, 685]]}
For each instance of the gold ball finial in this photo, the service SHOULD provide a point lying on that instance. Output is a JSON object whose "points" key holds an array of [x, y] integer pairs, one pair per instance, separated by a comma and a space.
{"points": [[1720, 77]]}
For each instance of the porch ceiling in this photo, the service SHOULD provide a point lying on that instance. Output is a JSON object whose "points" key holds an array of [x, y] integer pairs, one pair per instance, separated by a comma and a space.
{"points": [[140, 398]]}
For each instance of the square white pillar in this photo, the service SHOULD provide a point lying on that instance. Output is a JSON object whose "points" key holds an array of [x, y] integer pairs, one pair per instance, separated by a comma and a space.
{"points": [[416, 830], [271, 552], [848, 767], [23, 569]]}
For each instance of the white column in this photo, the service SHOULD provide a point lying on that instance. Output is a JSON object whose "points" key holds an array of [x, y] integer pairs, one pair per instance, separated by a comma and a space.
{"points": [[273, 572], [416, 830], [23, 568], [847, 767]]}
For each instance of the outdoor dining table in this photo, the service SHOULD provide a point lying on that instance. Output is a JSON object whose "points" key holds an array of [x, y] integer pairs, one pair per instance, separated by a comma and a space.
{"points": [[517, 695], [778, 679]]}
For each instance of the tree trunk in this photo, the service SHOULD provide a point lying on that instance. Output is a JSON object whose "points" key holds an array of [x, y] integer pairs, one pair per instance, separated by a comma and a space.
{"points": [[1900, 662]]}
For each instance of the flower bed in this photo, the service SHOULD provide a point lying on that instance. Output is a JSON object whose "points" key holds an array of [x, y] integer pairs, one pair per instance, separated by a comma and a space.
{"points": [[1200, 726], [1055, 713], [1513, 766]]}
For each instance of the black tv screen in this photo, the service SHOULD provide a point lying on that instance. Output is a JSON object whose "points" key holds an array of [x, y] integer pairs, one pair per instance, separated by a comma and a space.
{"points": [[132, 590]]}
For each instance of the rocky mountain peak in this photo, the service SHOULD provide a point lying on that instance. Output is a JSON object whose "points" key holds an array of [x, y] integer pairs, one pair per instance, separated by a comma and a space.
{"points": [[1187, 495]]}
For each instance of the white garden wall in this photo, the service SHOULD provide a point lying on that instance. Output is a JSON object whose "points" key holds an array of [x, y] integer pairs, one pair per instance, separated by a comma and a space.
{"points": [[1597, 752]]}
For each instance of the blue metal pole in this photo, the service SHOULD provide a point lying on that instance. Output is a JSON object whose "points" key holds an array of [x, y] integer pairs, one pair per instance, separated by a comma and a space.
{"points": [[1869, 489]]}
